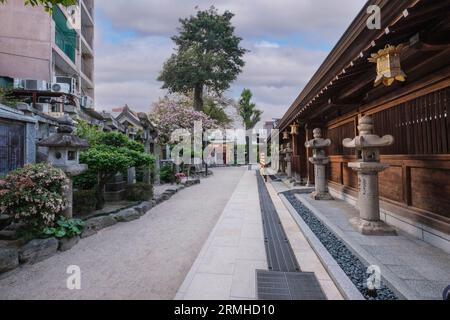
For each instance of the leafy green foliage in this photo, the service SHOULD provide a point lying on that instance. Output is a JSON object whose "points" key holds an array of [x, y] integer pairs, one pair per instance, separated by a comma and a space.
{"points": [[47, 4], [247, 110], [215, 109], [139, 192], [65, 228], [208, 55], [109, 153], [167, 173], [84, 202], [7, 98]]}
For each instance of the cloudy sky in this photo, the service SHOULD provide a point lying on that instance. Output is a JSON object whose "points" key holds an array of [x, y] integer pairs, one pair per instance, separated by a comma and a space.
{"points": [[287, 39]]}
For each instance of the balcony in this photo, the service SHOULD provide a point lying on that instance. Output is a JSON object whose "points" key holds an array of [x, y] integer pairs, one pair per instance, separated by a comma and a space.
{"points": [[65, 38]]}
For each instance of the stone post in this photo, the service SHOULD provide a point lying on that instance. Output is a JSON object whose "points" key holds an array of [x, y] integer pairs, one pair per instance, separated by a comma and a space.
{"points": [[288, 152], [157, 179], [319, 160], [131, 175], [368, 166]]}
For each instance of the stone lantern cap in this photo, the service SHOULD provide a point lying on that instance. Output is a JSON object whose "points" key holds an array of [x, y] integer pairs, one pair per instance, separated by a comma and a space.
{"points": [[318, 142], [366, 138], [64, 139]]}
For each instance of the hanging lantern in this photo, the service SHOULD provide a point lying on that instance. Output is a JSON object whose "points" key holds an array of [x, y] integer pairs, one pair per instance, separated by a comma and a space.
{"points": [[388, 65], [294, 129], [285, 135]]}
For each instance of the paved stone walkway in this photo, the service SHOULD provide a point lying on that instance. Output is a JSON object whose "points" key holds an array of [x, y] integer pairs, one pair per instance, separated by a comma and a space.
{"points": [[225, 268], [415, 268], [144, 259]]}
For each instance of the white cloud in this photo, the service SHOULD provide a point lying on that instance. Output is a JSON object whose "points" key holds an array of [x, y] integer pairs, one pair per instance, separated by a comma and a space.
{"points": [[276, 70]]}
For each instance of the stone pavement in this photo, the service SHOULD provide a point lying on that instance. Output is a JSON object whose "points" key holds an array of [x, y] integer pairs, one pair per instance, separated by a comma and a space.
{"points": [[225, 268], [143, 259], [414, 268]]}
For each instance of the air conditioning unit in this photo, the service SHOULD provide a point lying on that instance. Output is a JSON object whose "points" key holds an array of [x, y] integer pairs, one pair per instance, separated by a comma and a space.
{"points": [[29, 84], [61, 88], [43, 107], [71, 82], [87, 102], [19, 84]]}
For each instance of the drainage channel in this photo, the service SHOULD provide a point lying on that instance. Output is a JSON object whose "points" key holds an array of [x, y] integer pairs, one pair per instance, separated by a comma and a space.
{"points": [[284, 280]]}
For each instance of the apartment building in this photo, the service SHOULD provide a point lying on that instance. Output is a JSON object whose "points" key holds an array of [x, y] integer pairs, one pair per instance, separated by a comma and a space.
{"points": [[48, 52]]}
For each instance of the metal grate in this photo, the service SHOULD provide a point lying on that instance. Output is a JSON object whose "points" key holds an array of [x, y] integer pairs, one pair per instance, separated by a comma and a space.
{"points": [[280, 256], [288, 286]]}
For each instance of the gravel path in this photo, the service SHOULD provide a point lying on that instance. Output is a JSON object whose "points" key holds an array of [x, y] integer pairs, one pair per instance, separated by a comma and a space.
{"points": [[144, 259]]}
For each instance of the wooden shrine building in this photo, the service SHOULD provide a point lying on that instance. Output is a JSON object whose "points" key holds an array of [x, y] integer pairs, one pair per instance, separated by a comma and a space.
{"points": [[415, 190]]}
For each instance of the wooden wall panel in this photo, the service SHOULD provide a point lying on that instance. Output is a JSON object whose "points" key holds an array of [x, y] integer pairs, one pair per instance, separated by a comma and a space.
{"points": [[430, 190], [334, 172], [391, 184], [350, 177]]}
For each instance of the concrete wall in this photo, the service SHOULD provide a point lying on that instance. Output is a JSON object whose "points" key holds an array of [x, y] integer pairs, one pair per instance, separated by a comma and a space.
{"points": [[25, 41]]}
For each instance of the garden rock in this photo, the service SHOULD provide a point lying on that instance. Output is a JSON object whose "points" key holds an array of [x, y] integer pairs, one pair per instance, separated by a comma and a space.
{"points": [[127, 215], [9, 259], [96, 224], [144, 207], [4, 221], [8, 235], [38, 250], [66, 244]]}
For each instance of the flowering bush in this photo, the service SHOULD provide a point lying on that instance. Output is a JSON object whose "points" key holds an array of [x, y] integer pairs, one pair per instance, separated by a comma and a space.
{"points": [[179, 176], [33, 195], [170, 114]]}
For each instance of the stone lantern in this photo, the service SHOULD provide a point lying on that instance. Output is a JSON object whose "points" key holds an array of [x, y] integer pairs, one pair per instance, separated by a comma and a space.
{"points": [[320, 160], [64, 153], [368, 166], [288, 158]]}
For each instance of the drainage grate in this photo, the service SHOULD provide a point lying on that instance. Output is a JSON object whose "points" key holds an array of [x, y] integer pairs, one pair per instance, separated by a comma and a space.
{"points": [[280, 256], [288, 286]]}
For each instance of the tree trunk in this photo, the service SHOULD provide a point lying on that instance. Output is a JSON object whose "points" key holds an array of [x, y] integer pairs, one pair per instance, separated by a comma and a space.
{"points": [[198, 97]]}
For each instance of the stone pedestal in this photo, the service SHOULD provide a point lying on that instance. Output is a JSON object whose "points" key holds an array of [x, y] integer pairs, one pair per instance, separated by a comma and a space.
{"points": [[131, 175], [320, 161], [369, 222], [368, 166], [321, 192]]}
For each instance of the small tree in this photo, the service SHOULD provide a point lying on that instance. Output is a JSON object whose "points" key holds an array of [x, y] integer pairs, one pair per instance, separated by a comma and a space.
{"points": [[47, 4], [109, 154], [249, 114], [247, 110], [207, 55]]}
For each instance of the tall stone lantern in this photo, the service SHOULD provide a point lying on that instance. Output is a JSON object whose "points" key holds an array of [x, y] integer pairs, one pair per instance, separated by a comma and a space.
{"points": [[368, 166], [288, 158], [64, 153], [320, 160]]}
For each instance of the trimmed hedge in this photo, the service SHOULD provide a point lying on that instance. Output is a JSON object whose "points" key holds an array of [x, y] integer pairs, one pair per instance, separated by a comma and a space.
{"points": [[139, 192]]}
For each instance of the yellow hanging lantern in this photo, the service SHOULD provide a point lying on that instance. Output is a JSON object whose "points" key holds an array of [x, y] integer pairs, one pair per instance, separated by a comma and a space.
{"points": [[294, 129], [285, 135], [388, 65]]}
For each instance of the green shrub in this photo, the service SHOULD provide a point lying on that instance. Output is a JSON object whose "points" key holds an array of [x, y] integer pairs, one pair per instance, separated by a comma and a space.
{"points": [[167, 174], [34, 195], [65, 228], [139, 192], [84, 202]]}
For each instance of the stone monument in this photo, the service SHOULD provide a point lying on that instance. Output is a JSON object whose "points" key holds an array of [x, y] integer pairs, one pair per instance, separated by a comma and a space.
{"points": [[368, 166], [320, 160], [64, 153]]}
